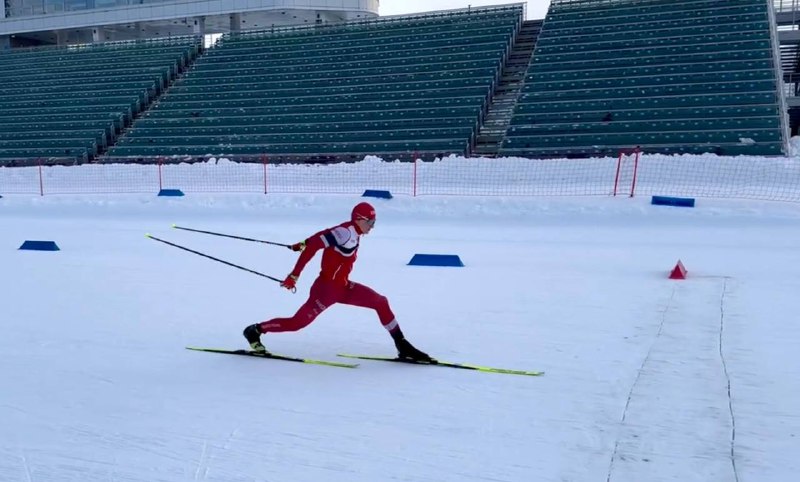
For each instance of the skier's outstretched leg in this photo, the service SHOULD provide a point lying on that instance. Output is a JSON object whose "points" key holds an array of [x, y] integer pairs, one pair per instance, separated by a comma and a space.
{"points": [[365, 297], [322, 295]]}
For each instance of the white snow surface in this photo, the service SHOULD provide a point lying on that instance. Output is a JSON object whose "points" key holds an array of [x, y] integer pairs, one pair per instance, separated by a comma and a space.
{"points": [[646, 378]]}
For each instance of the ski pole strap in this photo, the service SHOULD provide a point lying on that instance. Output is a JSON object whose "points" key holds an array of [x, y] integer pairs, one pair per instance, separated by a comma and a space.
{"points": [[213, 258], [231, 236]]}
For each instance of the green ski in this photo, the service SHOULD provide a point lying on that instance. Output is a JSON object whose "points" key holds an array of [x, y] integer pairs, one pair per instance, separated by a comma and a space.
{"points": [[440, 363], [274, 356]]}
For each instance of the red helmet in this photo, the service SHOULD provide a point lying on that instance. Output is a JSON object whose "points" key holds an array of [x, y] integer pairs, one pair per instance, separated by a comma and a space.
{"points": [[363, 211]]}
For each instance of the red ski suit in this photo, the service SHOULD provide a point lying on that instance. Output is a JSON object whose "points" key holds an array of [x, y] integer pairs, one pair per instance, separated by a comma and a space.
{"points": [[340, 249]]}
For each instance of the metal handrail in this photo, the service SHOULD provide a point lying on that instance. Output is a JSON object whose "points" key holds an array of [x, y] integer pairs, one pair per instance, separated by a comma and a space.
{"points": [[384, 20], [781, 87], [786, 5]]}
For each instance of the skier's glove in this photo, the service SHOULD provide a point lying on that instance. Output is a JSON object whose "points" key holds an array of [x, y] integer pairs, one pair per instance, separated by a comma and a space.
{"points": [[298, 246], [290, 282]]}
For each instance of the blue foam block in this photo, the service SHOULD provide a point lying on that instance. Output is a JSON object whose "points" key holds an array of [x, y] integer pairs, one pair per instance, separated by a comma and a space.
{"points": [[40, 246], [684, 202], [435, 260], [170, 192], [377, 193]]}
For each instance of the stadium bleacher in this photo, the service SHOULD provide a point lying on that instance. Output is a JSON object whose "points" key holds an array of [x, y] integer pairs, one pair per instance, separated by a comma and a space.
{"points": [[669, 76], [687, 76], [66, 104], [395, 86]]}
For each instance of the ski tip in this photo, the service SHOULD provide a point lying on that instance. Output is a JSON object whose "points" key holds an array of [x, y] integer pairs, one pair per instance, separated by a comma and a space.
{"points": [[147, 235], [174, 225]]}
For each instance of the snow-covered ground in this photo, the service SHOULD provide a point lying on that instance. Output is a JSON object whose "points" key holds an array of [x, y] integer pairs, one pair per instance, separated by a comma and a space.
{"points": [[647, 379]]}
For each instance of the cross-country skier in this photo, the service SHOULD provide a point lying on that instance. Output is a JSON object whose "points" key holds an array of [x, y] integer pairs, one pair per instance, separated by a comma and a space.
{"points": [[340, 247]]}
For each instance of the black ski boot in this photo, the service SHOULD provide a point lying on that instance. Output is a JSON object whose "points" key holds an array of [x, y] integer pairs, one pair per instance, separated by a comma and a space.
{"points": [[253, 335], [407, 351]]}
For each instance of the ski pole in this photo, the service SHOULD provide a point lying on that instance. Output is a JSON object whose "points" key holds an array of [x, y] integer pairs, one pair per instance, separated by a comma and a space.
{"points": [[216, 259], [231, 236]]}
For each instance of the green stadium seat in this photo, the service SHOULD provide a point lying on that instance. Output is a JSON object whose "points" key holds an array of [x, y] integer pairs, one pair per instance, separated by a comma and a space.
{"points": [[670, 77], [69, 104], [405, 84]]}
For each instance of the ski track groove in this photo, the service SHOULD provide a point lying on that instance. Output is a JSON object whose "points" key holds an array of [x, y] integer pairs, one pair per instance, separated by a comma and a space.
{"points": [[27, 466], [16, 409], [201, 462], [230, 438], [636, 380], [727, 378]]}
